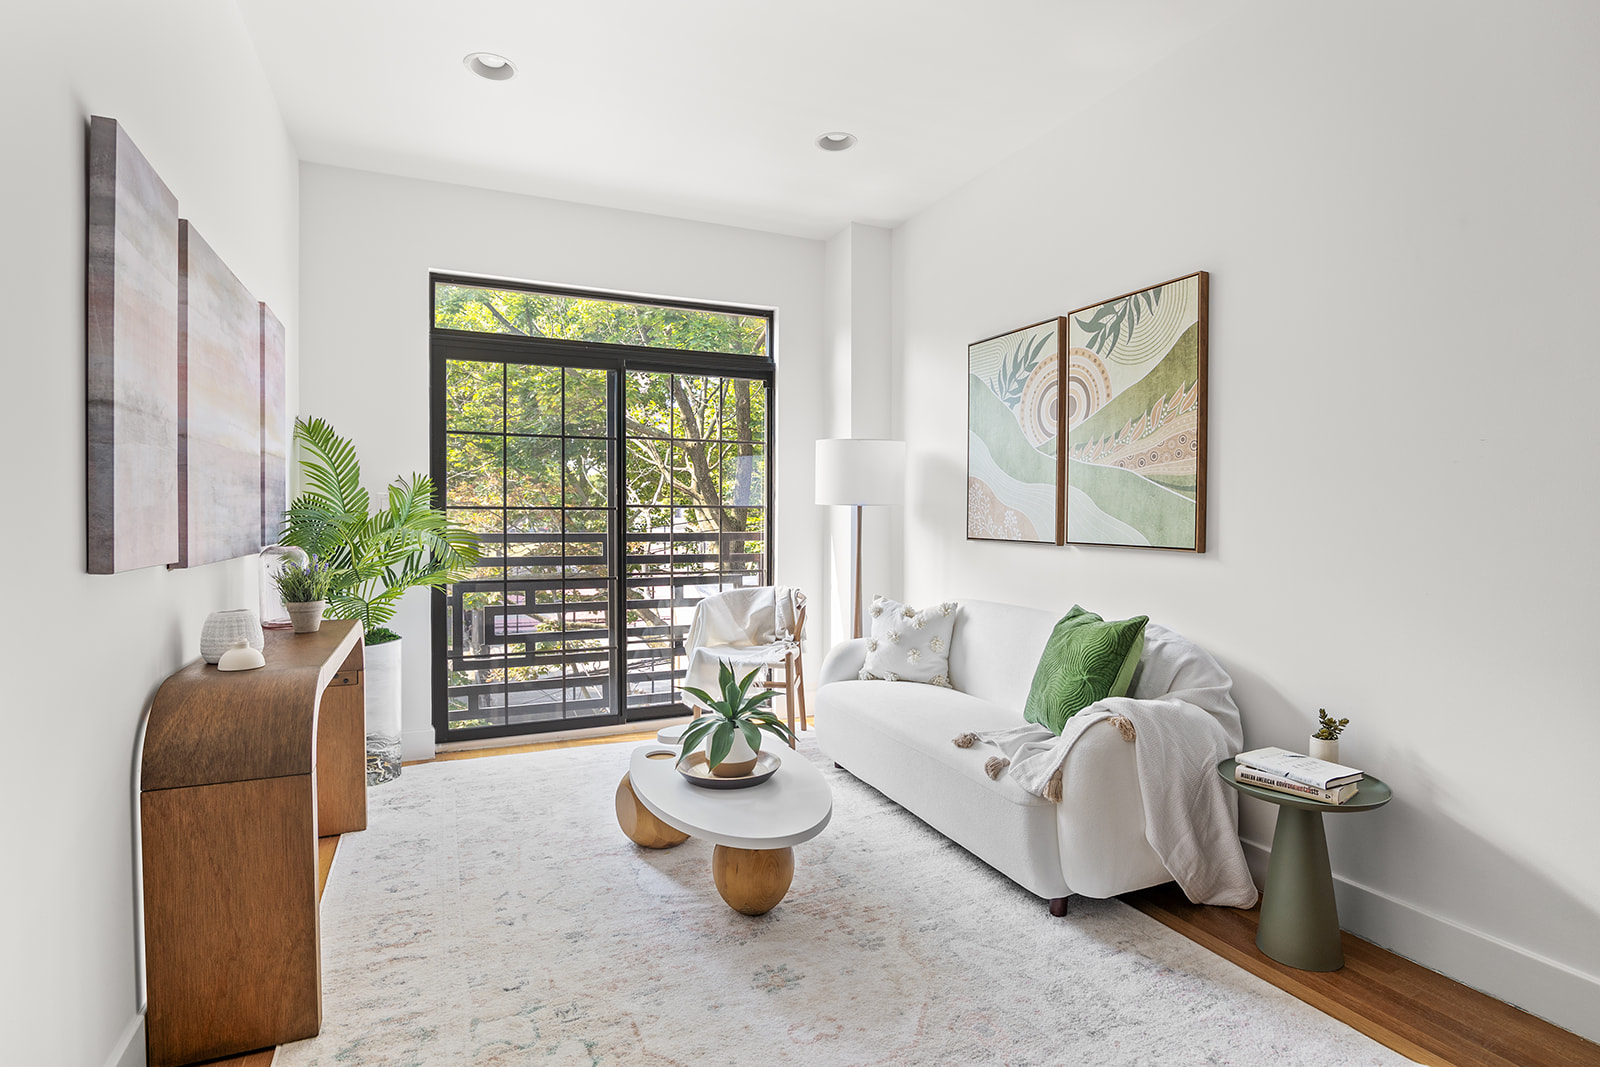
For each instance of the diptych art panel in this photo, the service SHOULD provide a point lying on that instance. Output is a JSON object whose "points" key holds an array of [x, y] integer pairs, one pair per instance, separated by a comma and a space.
{"points": [[220, 431], [1013, 416], [1136, 418], [131, 358]]}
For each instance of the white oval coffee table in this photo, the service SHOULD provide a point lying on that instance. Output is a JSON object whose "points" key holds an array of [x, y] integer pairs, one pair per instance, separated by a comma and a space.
{"points": [[755, 830]]}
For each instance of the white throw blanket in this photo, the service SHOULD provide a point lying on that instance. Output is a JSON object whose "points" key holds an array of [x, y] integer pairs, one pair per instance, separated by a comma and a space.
{"points": [[749, 628], [1186, 722]]}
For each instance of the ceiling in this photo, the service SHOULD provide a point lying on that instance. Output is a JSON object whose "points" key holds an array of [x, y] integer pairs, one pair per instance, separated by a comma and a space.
{"points": [[705, 109]]}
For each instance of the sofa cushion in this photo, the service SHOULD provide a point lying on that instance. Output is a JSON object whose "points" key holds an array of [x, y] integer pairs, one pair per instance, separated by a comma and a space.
{"points": [[1086, 660], [908, 645]]}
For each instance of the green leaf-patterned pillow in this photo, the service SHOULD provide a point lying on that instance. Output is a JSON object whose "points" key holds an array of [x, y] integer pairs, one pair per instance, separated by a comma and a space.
{"points": [[1086, 660]]}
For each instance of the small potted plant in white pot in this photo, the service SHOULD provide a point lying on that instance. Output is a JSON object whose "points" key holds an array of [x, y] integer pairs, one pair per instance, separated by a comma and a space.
{"points": [[732, 725], [304, 588], [1325, 742]]}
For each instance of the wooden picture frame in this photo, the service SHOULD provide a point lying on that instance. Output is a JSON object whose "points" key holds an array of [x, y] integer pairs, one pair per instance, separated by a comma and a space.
{"points": [[1135, 414], [1015, 465]]}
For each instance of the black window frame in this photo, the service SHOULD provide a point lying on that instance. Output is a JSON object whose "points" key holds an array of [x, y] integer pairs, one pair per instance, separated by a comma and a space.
{"points": [[445, 345]]}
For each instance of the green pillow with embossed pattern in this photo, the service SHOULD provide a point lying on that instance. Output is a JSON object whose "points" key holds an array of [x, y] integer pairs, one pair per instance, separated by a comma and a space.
{"points": [[1086, 660]]}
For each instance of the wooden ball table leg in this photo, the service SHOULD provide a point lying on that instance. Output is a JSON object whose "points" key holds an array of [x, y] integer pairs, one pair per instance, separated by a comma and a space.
{"points": [[640, 823], [751, 880]]}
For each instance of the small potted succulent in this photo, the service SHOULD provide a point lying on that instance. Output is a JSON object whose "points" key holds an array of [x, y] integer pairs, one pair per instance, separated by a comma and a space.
{"points": [[305, 588], [732, 725], [1325, 742]]}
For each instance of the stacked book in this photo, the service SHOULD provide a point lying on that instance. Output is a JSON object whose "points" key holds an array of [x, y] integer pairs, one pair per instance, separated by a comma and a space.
{"points": [[1302, 776]]}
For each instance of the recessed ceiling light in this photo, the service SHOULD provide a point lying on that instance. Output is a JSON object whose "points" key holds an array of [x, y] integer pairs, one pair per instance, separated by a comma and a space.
{"points": [[836, 142], [488, 65]]}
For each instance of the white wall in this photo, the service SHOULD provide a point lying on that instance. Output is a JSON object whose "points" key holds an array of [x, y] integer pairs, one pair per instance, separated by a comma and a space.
{"points": [[84, 653], [1398, 206], [369, 241], [858, 313]]}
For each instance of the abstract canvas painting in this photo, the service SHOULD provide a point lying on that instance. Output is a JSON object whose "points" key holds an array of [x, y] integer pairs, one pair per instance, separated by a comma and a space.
{"points": [[220, 430], [1013, 422], [131, 358], [1136, 418], [274, 428]]}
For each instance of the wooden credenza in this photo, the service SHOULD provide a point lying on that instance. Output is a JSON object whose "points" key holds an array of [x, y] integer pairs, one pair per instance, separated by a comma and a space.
{"points": [[241, 772]]}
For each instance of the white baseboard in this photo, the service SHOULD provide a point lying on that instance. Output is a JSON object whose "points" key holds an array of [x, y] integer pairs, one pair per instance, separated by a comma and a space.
{"points": [[416, 744], [1537, 984], [129, 1051]]}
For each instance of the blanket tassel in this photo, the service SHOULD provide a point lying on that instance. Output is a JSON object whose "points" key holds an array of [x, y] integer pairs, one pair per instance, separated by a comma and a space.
{"points": [[965, 740], [1052, 788], [994, 766], [1124, 726]]}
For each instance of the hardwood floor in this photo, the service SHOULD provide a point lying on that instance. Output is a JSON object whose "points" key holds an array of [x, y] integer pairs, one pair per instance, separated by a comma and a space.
{"points": [[1417, 1012]]}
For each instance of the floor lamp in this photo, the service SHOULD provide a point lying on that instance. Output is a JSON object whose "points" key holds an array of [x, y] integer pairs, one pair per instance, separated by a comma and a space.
{"points": [[858, 472]]}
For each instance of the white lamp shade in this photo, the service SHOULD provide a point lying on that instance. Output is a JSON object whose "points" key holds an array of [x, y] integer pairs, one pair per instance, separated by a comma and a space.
{"points": [[860, 471]]}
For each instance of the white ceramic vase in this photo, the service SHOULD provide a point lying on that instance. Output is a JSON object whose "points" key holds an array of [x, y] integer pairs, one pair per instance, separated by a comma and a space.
{"points": [[381, 677], [223, 628], [1325, 750]]}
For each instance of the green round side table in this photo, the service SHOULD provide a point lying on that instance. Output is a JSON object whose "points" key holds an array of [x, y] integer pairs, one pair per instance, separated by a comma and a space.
{"points": [[1299, 918]]}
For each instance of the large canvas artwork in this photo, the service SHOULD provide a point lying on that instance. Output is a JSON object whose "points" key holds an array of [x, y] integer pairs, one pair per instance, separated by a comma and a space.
{"points": [[274, 428], [132, 366], [219, 366], [1013, 419], [1136, 418]]}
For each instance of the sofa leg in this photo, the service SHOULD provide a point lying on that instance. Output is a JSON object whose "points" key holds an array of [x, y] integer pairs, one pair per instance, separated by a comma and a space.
{"points": [[1058, 906]]}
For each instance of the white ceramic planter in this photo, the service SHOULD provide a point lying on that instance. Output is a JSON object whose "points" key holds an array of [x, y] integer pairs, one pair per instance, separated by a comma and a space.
{"points": [[382, 681], [741, 758], [1325, 750]]}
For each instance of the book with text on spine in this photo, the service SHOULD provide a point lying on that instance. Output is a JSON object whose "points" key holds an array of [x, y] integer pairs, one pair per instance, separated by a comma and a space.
{"points": [[1298, 768], [1278, 783]]}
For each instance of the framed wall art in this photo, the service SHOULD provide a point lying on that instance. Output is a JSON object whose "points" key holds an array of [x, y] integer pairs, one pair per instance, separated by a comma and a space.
{"points": [[132, 366], [220, 422], [274, 428], [1135, 413], [1014, 462]]}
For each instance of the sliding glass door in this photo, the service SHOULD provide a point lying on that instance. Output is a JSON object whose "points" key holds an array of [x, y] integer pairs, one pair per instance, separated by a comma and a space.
{"points": [[612, 487]]}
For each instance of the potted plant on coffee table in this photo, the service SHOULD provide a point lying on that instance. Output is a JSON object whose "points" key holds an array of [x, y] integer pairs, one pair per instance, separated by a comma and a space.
{"points": [[375, 556], [733, 724], [304, 588]]}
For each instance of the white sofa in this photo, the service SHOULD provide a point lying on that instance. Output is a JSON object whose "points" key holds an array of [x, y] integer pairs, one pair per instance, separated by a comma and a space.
{"points": [[897, 737]]}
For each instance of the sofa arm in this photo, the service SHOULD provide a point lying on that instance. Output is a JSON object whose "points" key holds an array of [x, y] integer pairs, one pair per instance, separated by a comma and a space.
{"points": [[844, 661], [1100, 820]]}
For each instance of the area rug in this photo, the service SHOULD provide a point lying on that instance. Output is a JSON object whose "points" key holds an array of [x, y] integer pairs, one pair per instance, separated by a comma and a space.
{"points": [[493, 914]]}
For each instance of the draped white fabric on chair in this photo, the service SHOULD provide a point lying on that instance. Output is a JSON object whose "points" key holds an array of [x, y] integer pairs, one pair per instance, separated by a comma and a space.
{"points": [[750, 628]]}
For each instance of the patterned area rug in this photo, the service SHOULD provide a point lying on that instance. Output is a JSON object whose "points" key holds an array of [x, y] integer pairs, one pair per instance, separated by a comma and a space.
{"points": [[494, 914]]}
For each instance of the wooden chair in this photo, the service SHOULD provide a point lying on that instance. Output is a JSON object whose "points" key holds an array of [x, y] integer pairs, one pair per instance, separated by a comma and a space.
{"points": [[794, 674], [787, 659]]}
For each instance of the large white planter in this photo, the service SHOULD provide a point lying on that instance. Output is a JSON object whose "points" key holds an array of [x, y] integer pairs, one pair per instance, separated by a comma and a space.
{"points": [[382, 681]]}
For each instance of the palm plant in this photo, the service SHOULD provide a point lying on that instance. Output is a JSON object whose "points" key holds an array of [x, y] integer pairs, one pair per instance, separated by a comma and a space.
{"points": [[374, 557], [733, 711]]}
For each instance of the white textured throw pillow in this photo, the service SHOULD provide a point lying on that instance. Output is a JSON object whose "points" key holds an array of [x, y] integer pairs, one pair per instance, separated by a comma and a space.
{"points": [[908, 645]]}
